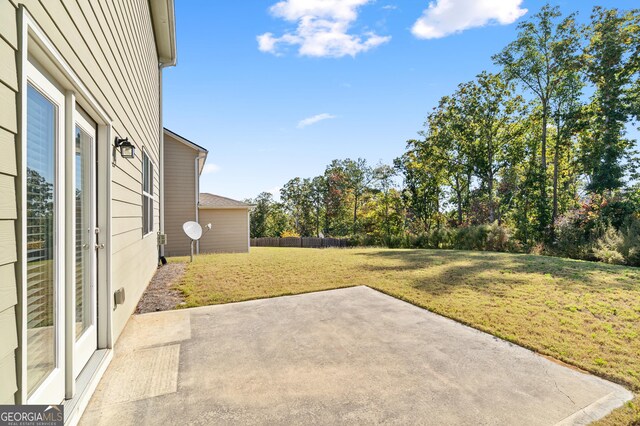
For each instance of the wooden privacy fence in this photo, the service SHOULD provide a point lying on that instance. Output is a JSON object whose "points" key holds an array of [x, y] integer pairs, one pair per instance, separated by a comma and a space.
{"points": [[306, 242]]}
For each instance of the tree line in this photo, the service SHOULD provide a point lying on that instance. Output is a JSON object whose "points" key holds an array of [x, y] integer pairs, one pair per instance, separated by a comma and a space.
{"points": [[534, 156]]}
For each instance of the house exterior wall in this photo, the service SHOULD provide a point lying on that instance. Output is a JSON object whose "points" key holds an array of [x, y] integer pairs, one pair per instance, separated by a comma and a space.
{"points": [[8, 207], [179, 194], [230, 231], [110, 46]]}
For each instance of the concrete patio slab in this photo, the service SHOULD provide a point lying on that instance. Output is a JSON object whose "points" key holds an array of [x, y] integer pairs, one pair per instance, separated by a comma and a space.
{"points": [[349, 356]]}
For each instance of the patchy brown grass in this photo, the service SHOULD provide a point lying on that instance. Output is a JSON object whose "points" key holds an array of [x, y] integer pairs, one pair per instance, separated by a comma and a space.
{"points": [[585, 314]]}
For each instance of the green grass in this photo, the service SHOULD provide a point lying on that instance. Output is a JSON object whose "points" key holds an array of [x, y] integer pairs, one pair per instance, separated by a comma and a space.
{"points": [[583, 313]]}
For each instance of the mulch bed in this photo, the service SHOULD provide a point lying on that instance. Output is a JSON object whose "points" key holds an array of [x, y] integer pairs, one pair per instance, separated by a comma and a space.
{"points": [[160, 294]]}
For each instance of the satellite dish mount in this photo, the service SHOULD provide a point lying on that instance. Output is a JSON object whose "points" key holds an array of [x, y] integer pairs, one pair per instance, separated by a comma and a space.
{"points": [[194, 232]]}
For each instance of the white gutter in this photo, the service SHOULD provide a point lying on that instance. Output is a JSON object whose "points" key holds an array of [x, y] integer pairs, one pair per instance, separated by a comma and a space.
{"points": [[205, 207], [164, 29], [201, 155], [161, 66]]}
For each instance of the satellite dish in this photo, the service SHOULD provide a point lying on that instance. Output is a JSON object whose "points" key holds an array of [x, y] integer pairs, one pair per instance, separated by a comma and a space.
{"points": [[193, 230]]}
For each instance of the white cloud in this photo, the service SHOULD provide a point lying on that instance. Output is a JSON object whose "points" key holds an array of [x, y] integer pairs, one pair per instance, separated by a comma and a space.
{"points": [[390, 7], [445, 17], [210, 168], [322, 28], [314, 119], [266, 42]]}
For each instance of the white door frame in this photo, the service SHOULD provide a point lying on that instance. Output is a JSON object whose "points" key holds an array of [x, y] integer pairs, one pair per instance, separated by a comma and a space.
{"points": [[52, 387], [35, 45], [83, 347]]}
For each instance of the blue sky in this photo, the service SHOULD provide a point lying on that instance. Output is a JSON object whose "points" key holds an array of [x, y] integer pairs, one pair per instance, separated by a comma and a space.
{"points": [[251, 72]]}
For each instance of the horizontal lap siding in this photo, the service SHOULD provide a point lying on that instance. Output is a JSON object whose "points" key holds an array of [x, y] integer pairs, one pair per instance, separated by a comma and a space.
{"points": [[110, 46], [8, 208], [8, 383], [229, 233], [130, 263], [179, 194]]}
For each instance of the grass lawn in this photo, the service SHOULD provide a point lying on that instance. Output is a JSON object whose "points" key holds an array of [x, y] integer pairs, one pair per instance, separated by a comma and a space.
{"points": [[585, 314]]}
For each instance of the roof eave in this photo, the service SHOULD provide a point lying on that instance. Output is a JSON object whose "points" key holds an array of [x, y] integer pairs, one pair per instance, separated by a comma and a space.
{"points": [[186, 141], [205, 207], [164, 29]]}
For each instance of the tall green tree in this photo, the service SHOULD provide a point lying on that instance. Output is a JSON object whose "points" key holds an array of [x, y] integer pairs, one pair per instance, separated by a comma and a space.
{"points": [[336, 209], [297, 200], [424, 177], [359, 177], [277, 221], [317, 193], [611, 65], [259, 216], [566, 112], [355, 178], [545, 48], [495, 116], [384, 176], [447, 127]]}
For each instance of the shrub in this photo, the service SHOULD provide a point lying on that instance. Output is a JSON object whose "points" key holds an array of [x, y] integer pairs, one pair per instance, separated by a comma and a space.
{"points": [[608, 247], [289, 234], [538, 249], [363, 240], [498, 237], [355, 241], [573, 234], [421, 240], [370, 240], [631, 240], [395, 241], [472, 237], [441, 237]]}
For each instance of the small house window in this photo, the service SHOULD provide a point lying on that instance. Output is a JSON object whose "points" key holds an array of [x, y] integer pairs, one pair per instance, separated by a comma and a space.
{"points": [[147, 194]]}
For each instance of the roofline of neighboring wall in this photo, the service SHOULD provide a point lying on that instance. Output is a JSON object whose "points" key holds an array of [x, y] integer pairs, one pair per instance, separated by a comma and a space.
{"points": [[186, 141], [225, 207], [164, 30], [201, 158]]}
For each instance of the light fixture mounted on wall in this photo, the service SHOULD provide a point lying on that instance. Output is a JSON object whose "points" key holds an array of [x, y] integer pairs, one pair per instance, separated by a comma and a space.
{"points": [[126, 148]]}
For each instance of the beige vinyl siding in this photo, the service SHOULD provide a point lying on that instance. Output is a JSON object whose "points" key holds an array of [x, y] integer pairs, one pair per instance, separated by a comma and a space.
{"points": [[8, 149], [8, 382], [110, 47], [8, 296], [9, 23], [8, 337], [230, 232], [179, 194], [8, 334], [8, 208], [8, 118]]}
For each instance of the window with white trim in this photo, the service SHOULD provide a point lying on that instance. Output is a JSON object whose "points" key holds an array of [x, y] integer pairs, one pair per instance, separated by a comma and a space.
{"points": [[147, 194]]}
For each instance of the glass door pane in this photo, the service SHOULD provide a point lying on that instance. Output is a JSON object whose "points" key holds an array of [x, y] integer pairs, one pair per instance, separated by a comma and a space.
{"points": [[84, 236], [85, 245], [42, 312]]}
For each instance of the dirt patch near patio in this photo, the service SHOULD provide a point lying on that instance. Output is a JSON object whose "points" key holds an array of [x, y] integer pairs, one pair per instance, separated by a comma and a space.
{"points": [[161, 294]]}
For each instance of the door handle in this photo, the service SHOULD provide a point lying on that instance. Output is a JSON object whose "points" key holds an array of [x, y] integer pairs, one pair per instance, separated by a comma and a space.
{"points": [[100, 246]]}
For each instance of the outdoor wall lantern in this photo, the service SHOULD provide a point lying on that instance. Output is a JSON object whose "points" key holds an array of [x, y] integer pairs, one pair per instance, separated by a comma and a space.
{"points": [[127, 150]]}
